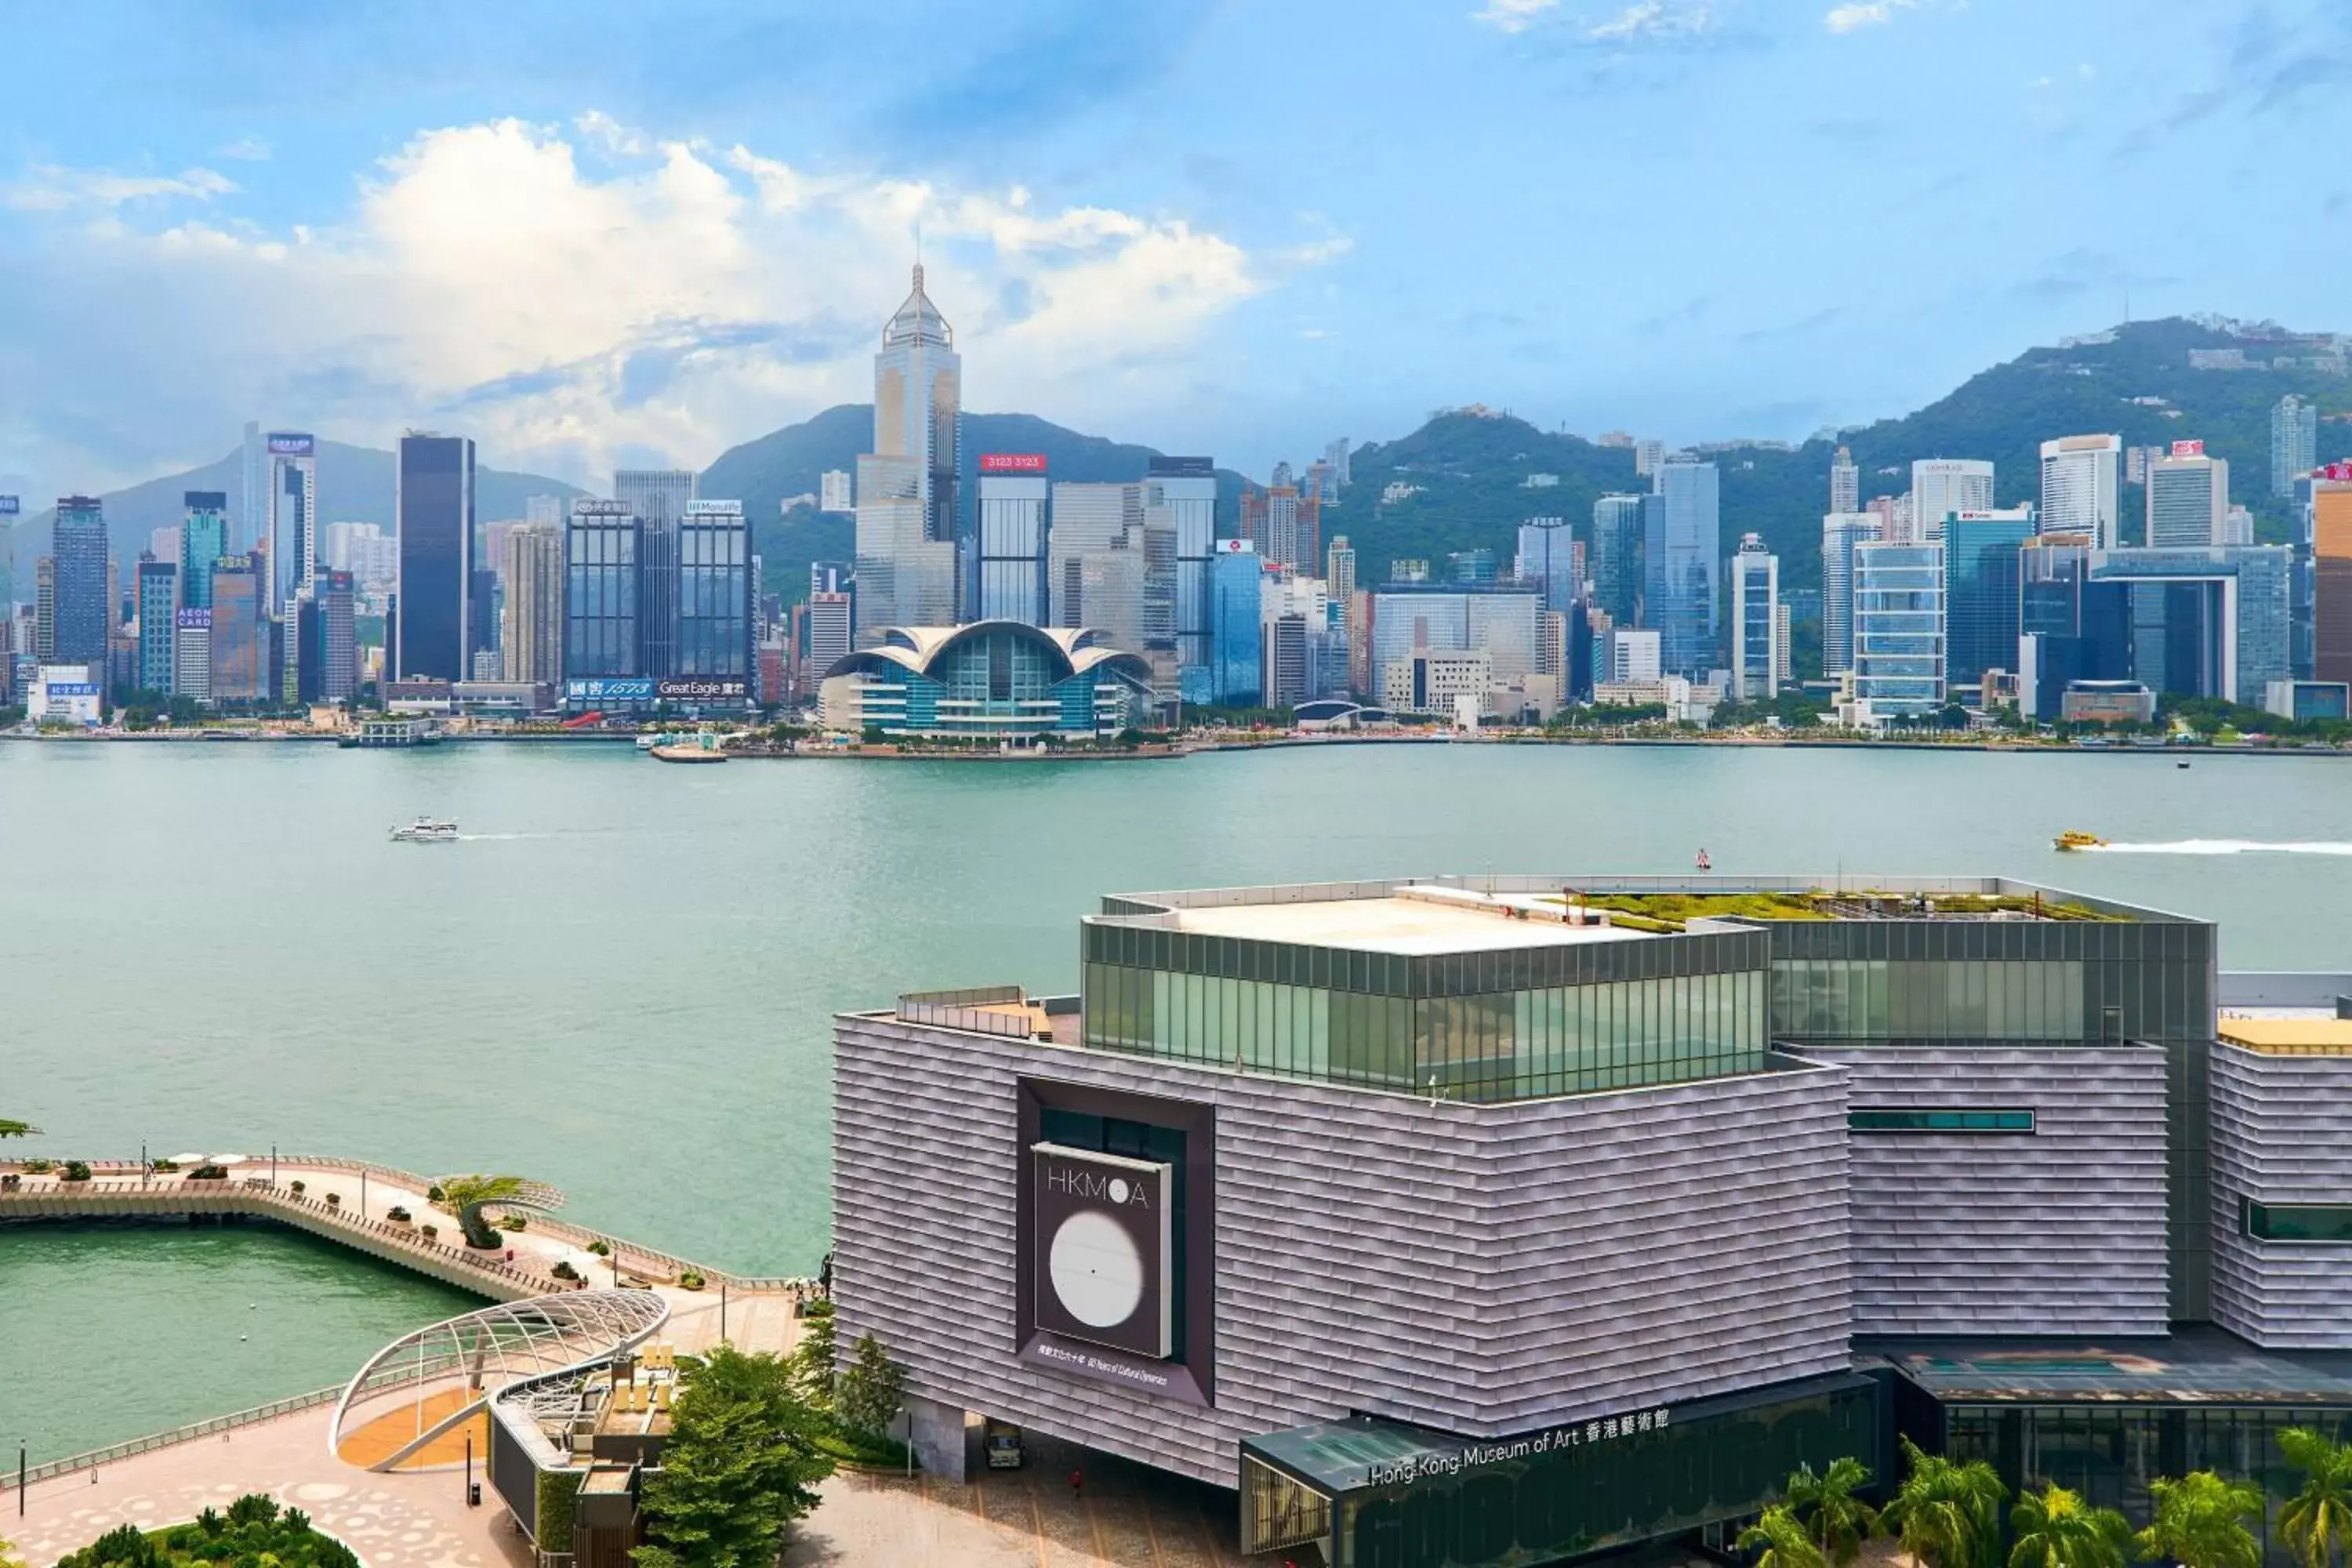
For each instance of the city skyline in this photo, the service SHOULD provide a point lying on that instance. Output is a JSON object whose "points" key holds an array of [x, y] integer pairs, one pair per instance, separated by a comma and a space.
{"points": [[587, 265]]}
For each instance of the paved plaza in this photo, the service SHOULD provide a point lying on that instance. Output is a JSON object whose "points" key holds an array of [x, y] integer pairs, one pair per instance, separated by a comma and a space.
{"points": [[1122, 1517]]}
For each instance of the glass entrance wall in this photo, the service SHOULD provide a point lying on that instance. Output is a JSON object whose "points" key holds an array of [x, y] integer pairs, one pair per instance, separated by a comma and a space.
{"points": [[2109, 1452]]}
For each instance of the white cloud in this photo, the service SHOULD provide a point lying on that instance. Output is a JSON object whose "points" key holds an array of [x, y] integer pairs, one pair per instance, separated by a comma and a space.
{"points": [[247, 149], [1862, 14], [1652, 19], [1513, 15], [45, 187], [676, 298]]}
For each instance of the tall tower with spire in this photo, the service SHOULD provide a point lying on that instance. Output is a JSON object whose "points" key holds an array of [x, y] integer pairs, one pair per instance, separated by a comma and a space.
{"points": [[907, 511], [918, 403]]}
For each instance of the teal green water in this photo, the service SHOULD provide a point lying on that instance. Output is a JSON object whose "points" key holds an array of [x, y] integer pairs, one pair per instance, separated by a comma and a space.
{"points": [[109, 1332], [622, 981]]}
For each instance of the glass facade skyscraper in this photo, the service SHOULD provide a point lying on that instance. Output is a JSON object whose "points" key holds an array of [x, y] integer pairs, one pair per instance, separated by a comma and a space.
{"points": [[78, 549], [1546, 560], [1898, 630], [159, 595], [1011, 534], [601, 587], [1235, 640], [1187, 488], [1980, 591], [294, 528], [714, 592], [2203, 623], [433, 496], [1617, 557], [203, 539], [1682, 545], [1841, 531]]}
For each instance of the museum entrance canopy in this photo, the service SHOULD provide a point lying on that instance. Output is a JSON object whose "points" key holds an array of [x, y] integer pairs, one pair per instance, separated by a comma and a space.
{"points": [[1374, 1493]]}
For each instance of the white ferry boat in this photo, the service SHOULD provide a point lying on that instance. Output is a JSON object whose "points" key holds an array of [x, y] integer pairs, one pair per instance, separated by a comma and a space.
{"points": [[427, 830]]}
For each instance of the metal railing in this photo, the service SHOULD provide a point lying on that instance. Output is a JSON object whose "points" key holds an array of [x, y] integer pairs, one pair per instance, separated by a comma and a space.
{"points": [[195, 1429]]}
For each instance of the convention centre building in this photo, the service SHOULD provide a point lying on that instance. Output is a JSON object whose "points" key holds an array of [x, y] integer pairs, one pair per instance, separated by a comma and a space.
{"points": [[1496, 1220]]}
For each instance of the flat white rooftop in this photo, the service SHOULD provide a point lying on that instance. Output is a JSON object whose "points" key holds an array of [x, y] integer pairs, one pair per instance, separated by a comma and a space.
{"points": [[1408, 927]]}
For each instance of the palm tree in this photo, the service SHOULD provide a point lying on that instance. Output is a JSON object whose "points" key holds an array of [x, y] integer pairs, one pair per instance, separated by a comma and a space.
{"points": [[1947, 1514], [1837, 1521], [2201, 1522], [1780, 1542], [2055, 1528], [2317, 1520], [466, 1197]]}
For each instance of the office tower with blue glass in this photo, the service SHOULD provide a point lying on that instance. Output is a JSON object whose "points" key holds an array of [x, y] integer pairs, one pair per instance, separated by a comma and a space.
{"points": [[159, 605], [1494, 1220], [1898, 631], [294, 538], [81, 618], [1235, 641], [1980, 591], [1546, 560], [1616, 557], [600, 586], [713, 617], [1841, 531], [433, 497], [1010, 533], [1183, 491], [1682, 550], [1757, 631], [203, 539]]}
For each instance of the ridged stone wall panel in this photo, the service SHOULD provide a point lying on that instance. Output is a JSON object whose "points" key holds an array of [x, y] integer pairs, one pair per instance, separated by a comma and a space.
{"points": [[1483, 1269], [2060, 1231], [2282, 1134]]}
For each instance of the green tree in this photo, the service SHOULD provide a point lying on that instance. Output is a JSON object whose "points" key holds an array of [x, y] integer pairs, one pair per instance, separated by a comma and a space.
{"points": [[1836, 1521], [1947, 1514], [466, 1196], [2055, 1528], [2316, 1521], [2201, 1522], [867, 1397], [812, 1359], [741, 1464], [1780, 1541], [16, 1128]]}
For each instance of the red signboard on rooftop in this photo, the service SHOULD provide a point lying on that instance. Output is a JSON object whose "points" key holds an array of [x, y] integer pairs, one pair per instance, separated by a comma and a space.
{"points": [[2188, 449], [1012, 463]]}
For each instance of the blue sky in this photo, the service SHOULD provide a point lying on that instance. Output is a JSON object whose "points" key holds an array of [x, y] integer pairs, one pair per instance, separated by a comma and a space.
{"points": [[592, 233]]}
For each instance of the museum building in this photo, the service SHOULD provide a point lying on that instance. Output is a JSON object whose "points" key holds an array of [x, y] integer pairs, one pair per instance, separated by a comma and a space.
{"points": [[1494, 1220]]}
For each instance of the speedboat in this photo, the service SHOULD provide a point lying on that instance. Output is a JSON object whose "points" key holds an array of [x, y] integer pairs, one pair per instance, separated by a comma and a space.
{"points": [[2073, 839], [427, 830]]}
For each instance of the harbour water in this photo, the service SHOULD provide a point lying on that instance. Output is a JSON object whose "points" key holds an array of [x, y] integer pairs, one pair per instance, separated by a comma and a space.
{"points": [[621, 978]]}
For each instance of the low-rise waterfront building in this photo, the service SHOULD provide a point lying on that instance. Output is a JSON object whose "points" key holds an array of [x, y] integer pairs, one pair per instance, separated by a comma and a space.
{"points": [[995, 681], [1476, 1220]]}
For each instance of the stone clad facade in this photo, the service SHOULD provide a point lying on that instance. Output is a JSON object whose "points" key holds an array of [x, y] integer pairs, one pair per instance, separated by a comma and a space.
{"points": [[2282, 1135]]}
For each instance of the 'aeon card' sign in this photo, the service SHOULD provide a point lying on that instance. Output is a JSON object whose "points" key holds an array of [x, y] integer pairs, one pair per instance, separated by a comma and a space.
{"points": [[1012, 462], [292, 443], [1105, 1259]]}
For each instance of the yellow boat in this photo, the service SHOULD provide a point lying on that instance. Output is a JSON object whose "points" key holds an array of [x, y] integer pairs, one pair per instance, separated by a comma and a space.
{"points": [[2071, 839]]}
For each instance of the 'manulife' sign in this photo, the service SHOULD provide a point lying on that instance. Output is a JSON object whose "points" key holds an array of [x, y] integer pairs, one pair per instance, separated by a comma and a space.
{"points": [[1104, 1264]]}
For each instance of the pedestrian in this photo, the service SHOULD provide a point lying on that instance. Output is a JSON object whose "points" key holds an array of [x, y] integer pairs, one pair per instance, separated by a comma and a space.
{"points": [[1078, 1485]]}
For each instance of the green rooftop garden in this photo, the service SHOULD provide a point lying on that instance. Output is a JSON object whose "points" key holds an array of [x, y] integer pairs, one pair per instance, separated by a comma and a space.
{"points": [[1671, 913]]}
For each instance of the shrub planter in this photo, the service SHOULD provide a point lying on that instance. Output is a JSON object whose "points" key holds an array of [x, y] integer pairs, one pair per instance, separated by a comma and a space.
{"points": [[334, 1200], [429, 1231], [297, 1188]]}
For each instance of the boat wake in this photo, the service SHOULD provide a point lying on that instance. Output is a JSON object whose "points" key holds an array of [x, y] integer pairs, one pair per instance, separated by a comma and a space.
{"points": [[2226, 847]]}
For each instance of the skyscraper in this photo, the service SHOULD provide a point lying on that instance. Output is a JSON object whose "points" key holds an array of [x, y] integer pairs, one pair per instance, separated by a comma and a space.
{"points": [[253, 499], [1185, 490], [2295, 443], [82, 616], [1756, 672], [656, 495], [1546, 560], [432, 500], [1942, 486], [240, 662], [1682, 550], [1898, 630], [1285, 526], [1649, 456], [1339, 569], [600, 590], [918, 406], [1981, 591], [531, 644], [1091, 521], [2187, 499], [1010, 534], [2331, 549], [834, 491], [1235, 678], [159, 603], [714, 597], [829, 634], [2079, 479], [44, 609], [1841, 531], [293, 516], [1617, 556], [1845, 483]]}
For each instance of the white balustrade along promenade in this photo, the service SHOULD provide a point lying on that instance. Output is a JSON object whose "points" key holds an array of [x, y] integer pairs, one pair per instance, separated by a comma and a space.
{"points": [[755, 1313]]}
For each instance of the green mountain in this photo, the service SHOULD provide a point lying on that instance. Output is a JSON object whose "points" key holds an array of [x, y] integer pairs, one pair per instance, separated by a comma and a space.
{"points": [[1470, 466], [792, 461], [355, 485]]}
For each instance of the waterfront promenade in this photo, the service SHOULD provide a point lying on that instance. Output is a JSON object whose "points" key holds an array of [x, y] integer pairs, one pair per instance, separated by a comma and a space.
{"points": [[756, 1313]]}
